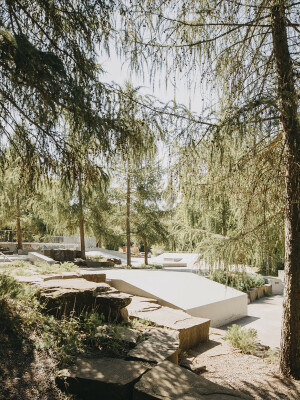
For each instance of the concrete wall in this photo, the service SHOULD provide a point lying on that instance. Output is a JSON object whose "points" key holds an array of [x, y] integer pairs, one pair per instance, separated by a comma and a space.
{"points": [[277, 285], [222, 312]]}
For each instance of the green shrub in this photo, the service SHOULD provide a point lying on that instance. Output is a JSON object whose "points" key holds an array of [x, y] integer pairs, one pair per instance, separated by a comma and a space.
{"points": [[151, 266], [238, 280], [242, 338]]}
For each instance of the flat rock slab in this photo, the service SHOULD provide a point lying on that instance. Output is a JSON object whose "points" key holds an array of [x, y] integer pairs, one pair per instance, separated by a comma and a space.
{"points": [[119, 332], [101, 379], [74, 283], [192, 330], [167, 381], [161, 344], [143, 304]]}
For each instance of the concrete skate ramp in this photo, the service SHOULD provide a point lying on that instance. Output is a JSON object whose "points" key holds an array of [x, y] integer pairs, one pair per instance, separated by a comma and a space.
{"points": [[196, 295]]}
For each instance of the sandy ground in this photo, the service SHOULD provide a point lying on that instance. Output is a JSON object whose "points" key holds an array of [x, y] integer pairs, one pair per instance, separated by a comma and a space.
{"points": [[252, 375]]}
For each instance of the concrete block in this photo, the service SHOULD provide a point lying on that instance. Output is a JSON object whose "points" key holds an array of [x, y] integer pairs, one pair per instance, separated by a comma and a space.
{"points": [[37, 257], [267, 289], [281, 275], [252, 294], [277, 285]]}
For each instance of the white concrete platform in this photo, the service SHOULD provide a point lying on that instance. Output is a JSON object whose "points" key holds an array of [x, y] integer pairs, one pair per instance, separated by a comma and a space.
{"points": [[37, 257], [196, 295]]}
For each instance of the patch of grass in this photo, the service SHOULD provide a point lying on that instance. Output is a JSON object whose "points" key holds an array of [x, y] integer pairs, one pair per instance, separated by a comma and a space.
{"points": [[272, 356], [242, 338], [96, 258], [25, 268], [151, 266], [45, 268], [136, 322]]}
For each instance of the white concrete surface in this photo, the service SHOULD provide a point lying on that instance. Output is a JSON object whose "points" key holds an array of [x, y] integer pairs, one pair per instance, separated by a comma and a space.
{"points": [[264, 315], [198, 296], [34, 257], [177, 260], [277, 285]]}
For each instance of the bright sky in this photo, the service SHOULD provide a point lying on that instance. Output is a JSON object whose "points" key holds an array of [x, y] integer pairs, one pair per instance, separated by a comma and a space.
{"points": [[175, 90]]}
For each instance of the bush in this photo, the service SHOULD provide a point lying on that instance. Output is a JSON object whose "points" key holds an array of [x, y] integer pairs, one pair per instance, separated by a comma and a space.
{"points": [[242, 338], [238, 280], [151, 266]]}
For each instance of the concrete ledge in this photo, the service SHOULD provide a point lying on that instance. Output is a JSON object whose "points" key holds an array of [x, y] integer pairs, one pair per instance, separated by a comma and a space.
{"points": [[37, 257], [196, 295]]}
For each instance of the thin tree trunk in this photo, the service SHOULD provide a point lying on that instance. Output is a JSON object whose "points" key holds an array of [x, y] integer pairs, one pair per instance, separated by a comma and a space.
{"points": [[81, 220], [290, 334], [99, 242], [146, 252], [18, 226], [128, 220]]}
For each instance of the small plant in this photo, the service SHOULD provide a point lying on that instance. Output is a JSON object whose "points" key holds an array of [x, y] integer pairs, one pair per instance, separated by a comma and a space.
{"points": [[136, 322], [151, 266], [242, 338], [272, 356], [96, 258]]}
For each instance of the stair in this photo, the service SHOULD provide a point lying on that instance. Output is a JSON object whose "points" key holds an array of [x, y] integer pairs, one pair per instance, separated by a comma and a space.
{"points": [[192, 330]]}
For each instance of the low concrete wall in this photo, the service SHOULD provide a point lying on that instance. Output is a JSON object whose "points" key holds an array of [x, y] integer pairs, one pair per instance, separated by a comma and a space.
{"points": [[222, 312], [281, 275], [277, 285], [34, 257]]}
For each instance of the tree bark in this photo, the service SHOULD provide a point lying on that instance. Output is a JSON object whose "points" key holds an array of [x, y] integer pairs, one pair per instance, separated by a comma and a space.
{"points": [[146, 252], [18, 227], [290, 337], [81, 220], [128, 220], [99, 242]]}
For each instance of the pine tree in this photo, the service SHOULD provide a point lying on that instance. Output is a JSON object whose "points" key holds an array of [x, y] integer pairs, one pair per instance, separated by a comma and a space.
{"points": [[249, 51]]}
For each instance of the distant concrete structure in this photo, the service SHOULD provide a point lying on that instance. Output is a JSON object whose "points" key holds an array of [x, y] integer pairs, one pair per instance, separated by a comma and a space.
{"points": [[277, 284], [34, 257], [196, 295]]}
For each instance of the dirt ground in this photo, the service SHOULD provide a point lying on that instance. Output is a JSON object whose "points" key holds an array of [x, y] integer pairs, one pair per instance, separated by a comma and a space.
{"points": [[252, 375], [26, 374]]}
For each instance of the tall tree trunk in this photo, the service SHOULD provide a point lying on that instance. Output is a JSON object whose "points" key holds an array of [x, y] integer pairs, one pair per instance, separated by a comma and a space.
{"points": [[146, 252], [18, 226], [290, 334], [81, 220], [128, 220]]}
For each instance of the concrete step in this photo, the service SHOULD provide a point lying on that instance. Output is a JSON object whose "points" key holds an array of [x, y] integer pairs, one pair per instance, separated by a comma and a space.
{"points": [[192, 330]]}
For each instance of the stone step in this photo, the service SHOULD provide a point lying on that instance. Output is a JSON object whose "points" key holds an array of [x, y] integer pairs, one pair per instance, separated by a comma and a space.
{"points": [[102, 378], [192, 330], [160, 345], [167, 381]]}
